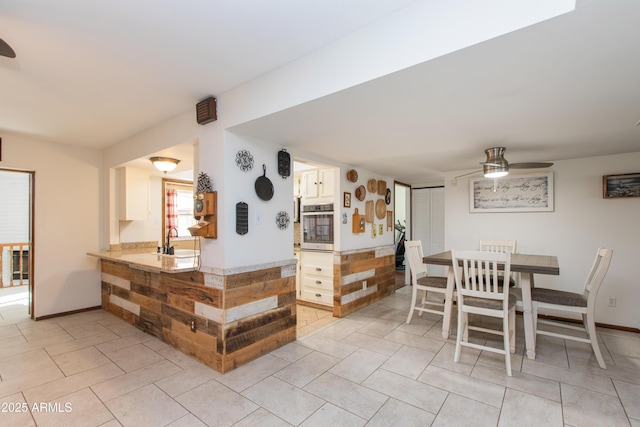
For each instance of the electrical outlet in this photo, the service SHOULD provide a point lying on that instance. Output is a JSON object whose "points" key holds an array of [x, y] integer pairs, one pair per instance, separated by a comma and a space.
{"points": [[612, 301], [193, 326]]}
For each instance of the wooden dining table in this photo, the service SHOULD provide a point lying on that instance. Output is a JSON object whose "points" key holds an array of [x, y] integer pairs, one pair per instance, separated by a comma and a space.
{"points": [[525, 264]]}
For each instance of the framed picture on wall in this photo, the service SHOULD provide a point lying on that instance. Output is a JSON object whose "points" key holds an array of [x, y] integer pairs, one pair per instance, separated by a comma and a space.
{"points": [[622, 185], [513, 193], [347, 200]]}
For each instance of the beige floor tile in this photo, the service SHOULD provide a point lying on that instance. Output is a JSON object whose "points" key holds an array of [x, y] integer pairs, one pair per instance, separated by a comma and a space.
{"points": [[123, 342], [461, 411], [80, 360], [288, 402], [84, 330], [424, 343], [247, 375], [263, 418], [81, 409], [518, 381], [359, 400], [408, 362], [307, 369], [70, 384], [397, 413], [331, 415], [368, 342], [72, 345], [186, 379], [134, 357], [227, 408], [630, 397], [328, 346], [15, 411], [582, 407], [405, 389], [470, 387], [291, 352], [468, 359], [359, 365], [30, 380], [25, 363], [147, 406], [126, 383], [188, 420], [525, 409], [576, 378]]}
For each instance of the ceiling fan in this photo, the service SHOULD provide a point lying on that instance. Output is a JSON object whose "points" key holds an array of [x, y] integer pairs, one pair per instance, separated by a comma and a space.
{"points": [[6, 50], [496, 166]]}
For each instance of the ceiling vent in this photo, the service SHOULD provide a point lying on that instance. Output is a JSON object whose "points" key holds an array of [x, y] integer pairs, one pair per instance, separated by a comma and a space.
{"points": [[206, 111]]}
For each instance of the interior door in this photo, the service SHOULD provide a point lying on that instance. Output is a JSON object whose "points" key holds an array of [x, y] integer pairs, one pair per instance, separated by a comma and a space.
{"points": [[428, 222]]}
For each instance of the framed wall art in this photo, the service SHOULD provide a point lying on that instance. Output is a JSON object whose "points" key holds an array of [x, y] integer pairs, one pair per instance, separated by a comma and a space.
{"points": [[513, 193], [347, 200], [622, 185]]}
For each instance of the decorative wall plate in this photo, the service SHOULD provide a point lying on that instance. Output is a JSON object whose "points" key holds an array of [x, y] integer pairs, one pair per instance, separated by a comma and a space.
{"points": [[282, 220], [244, 160]]}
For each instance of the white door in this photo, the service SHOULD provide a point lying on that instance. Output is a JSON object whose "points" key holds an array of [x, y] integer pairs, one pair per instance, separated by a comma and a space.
{"points": [[428, 222]]}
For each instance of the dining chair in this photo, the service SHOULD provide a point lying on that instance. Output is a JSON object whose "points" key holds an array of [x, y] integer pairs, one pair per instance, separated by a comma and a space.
{"points": [[421, 281], [479, 293], [498, 246], [578, 303]]}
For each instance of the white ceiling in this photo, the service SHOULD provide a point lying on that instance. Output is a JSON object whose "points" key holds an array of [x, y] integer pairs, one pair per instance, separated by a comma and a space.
{"points": [[95, 73]]}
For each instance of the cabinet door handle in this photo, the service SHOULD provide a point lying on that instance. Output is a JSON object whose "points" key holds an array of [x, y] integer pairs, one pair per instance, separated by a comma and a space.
{"points": [[318, 282], [318, 269], [318, 295]]}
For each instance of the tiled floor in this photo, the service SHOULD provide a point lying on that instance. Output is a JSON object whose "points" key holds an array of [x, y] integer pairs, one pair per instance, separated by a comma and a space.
{"points": [[370, 368]]}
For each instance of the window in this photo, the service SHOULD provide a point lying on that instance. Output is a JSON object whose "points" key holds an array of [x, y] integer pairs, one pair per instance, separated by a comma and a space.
{"points": [[177, 207]]}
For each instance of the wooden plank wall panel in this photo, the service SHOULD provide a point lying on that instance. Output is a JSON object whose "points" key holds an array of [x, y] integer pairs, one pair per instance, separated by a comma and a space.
{"points": [[167, 310], [353, 263]]}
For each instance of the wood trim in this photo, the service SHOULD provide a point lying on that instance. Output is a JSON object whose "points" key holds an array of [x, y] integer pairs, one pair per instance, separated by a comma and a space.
{"points": [[66, 313]]}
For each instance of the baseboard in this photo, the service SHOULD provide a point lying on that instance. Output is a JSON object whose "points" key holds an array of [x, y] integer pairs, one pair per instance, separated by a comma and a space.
{"points": [[579, 322], [66, 313]]}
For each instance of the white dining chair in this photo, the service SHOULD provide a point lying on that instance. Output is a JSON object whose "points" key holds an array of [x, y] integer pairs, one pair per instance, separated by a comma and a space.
{"points": [[480, 293], [577, 303], [506, 246], [499, 246], [421, 281]]}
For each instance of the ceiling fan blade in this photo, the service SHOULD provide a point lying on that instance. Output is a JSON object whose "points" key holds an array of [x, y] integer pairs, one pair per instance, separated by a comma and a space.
{"points": [[5, 50], [529, 165]]}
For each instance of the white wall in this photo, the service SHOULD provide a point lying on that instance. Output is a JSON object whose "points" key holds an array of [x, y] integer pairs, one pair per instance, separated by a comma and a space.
{"points": [[582, 221], [67, 213]]}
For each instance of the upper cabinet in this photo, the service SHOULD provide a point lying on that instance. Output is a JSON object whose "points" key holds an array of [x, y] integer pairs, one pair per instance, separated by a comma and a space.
{"points": [[133, 190], [317, 183]]}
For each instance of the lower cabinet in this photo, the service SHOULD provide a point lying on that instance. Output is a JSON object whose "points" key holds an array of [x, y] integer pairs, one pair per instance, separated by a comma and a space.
{"points": [[316, 284]]}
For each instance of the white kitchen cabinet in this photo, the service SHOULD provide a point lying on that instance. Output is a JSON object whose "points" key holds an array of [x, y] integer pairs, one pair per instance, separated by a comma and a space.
{"points": [[316, 277], [133, 190], [317, 183]]}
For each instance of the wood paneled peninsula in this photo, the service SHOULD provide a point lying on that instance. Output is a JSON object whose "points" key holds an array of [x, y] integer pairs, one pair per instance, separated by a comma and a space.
{"points": [[224, 318]]}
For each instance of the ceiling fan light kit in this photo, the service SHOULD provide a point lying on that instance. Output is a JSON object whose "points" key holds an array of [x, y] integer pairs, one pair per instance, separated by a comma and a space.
{"points": [[495, 166]]}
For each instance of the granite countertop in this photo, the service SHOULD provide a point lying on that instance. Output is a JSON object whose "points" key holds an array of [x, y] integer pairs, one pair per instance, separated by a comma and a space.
{"points": [[143, 257]]}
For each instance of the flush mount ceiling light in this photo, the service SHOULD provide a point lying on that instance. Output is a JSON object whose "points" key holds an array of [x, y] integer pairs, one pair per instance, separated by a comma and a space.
{"points": [[495, 166], [164, 164]]}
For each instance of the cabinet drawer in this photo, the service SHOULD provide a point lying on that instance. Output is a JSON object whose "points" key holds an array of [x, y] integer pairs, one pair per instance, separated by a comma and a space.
{"points": [[317, 296], [317, 282], [317, 270]]}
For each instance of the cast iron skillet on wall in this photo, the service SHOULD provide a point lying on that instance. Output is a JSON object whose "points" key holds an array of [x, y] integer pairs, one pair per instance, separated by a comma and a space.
{"points": [[264, 187]]}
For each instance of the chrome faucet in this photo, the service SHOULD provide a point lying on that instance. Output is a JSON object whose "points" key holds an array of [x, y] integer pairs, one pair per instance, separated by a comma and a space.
{"points": [[168, 249]]}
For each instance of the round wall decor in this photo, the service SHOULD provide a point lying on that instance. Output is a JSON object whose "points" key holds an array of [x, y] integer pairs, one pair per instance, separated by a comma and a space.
{"points": [[282, 220], [244, 160]]}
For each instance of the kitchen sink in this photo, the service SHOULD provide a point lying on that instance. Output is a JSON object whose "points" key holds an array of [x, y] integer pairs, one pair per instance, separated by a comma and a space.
{"points": [[180, 253]]}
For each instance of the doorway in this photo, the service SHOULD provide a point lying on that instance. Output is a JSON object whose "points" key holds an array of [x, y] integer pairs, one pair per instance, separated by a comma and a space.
{"points": [[16, 244]]}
